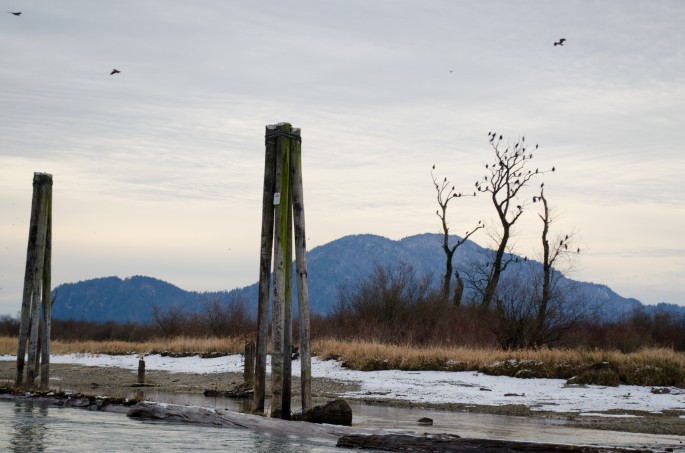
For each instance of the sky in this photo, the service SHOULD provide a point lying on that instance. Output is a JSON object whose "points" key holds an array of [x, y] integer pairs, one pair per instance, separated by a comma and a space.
{"points": [[158, 170]]}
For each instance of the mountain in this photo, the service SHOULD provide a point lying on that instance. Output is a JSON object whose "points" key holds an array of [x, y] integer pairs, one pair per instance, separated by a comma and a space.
{"points": [[114, 299], [344, 261]]}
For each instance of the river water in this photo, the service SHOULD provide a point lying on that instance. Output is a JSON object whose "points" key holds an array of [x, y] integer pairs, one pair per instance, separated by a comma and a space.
{"points": [[31, 427]]}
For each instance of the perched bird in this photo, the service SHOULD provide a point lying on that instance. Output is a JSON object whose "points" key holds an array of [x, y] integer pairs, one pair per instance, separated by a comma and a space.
{"points": [[560, 42], [114, 71], [18, 13], [433, 166]]}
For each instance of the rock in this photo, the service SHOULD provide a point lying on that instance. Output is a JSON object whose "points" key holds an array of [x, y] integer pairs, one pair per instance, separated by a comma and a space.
{"points": [[336, 412], [425, 421], [661, 390]]}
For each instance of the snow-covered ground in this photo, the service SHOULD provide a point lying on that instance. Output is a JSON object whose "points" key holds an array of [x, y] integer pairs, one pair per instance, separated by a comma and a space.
{"points": [[428, 386]]}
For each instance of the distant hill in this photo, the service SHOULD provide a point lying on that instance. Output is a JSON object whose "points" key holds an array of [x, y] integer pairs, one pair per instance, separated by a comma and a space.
{"points": [[341, 262]]}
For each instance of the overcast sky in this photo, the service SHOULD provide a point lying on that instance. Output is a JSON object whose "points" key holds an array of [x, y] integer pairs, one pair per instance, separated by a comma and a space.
{"points": [[158, 170]]}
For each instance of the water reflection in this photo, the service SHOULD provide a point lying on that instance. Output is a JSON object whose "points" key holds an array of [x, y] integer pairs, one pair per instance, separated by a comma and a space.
{"points": [[28, 428], [32, 428]]}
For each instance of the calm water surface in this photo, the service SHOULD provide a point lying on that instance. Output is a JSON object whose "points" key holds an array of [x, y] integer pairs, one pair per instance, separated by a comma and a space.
{"points": [[28, 427]]}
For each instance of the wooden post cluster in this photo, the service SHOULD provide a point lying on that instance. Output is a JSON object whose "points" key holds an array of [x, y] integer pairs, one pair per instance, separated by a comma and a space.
{"points": [[282, 205], [36, 302]]}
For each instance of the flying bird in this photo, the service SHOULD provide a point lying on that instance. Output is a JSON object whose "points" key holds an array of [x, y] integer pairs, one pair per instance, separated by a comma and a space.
{"points": [[18, 13], [114, 71], [560, 42]]}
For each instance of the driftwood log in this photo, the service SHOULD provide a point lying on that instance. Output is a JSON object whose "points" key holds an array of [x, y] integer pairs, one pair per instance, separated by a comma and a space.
{"points": [[447, 443], [349, 437], [228, 419]]}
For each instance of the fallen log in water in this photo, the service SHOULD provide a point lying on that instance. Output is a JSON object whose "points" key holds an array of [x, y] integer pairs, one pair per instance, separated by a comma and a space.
{"points": [[350, 437], [229, 419], [446, 443]]}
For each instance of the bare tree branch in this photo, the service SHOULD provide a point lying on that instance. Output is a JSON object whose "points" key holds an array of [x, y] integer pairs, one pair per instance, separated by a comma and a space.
{"points": [[504, 181], [444, 194]]}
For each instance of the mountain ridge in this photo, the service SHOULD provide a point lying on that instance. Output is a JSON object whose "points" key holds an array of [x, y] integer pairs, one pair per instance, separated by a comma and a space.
{"points": [[343, 261]]}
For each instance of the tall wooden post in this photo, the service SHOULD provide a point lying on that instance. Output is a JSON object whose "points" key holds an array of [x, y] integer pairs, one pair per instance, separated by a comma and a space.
{"points": [[46, 300], [278, 213], [265, 271], [301, 271], [280, 255], [37, 286], [288, 306]]}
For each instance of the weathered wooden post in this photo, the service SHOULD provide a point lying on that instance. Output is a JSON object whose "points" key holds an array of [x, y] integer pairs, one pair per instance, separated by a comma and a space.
{"points": [[248, 370], [280, 255], [37, 286], [141, 370], [278, 214], [301, 275], [266, 250]]}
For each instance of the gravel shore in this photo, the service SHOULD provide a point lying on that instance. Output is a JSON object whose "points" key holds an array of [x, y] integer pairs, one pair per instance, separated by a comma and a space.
{"points": [[118, 382]]}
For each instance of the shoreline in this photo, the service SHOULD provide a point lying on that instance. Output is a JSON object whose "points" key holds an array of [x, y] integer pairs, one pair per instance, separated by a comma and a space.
{"points": [[118, 383]]}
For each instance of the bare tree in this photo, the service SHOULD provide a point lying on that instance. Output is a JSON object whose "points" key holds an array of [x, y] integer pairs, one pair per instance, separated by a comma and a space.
{"points": [[550, 320], [504, 180], [444, 195], [170, 322], [226, 318]]}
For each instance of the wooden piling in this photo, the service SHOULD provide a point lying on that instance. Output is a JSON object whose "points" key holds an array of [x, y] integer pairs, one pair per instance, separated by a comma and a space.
{"points": [[265, 271], [288, 305], [46, 299], [278, 214], [280, 254], [249, 368], [36, 282], [301, 274], [141, 371]]}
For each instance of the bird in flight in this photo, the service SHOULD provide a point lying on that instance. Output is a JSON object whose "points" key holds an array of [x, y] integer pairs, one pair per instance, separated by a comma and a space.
{"points": [[18, 13], [560, 42], [114, 71]]}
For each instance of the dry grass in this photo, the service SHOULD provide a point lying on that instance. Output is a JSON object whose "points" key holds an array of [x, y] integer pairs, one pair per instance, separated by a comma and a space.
{"points": [[658, 367], [652, 367], [180, 345]]}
